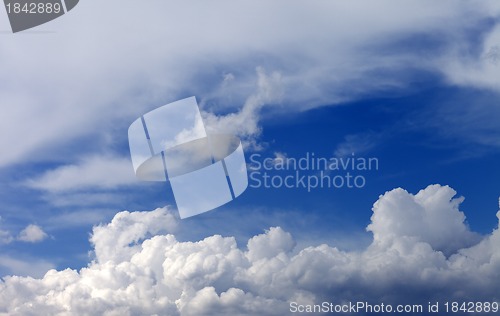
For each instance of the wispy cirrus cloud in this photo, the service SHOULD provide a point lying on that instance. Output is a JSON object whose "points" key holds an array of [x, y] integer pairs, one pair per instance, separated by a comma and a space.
{"points": [[328, 60], [94, 172], [357, 144]]}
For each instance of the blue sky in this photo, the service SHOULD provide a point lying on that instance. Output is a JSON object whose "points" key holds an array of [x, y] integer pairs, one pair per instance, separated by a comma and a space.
{"points": [[415, 87], [412, 153]]}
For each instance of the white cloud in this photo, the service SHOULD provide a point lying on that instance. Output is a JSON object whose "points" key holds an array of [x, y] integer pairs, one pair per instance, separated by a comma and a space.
{"points": [[268, 246], [136, 274], [83, 199], [329, 59], [431, 216], [83, 217], [118, 240], [30, 267], [91, 182], [95, 172], [493, 54], [245, 122], [5, 237], [32, 233], [478, 70], [357, 144]]}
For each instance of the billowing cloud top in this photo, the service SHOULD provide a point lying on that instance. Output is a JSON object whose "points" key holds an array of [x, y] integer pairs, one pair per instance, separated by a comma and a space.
{"points": [[421, 245]]}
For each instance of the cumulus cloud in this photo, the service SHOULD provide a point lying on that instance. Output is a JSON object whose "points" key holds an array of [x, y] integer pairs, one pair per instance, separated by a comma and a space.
{"points": [[32, 233], [421, 250], [12, 263], [431, 216], [118, 240]]}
